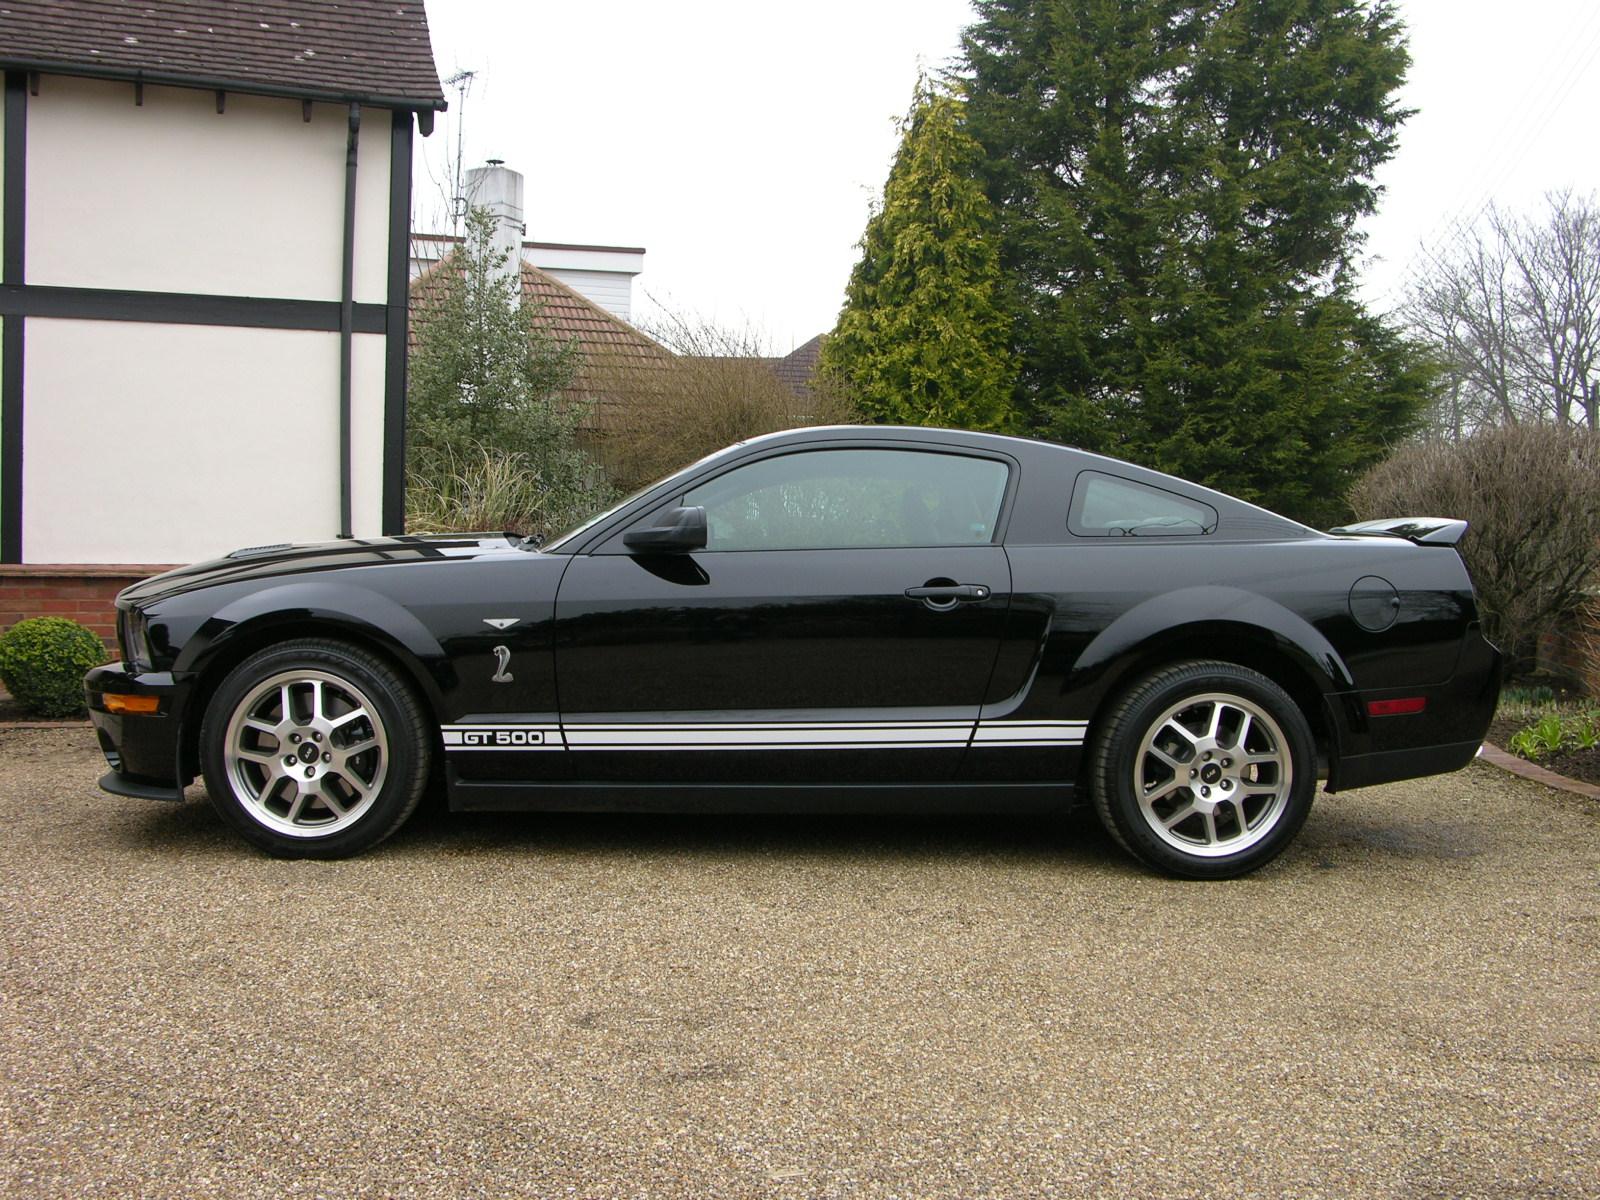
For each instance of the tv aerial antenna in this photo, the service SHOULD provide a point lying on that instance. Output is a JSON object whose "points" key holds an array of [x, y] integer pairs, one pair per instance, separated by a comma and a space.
{"points": [[461, 84]]}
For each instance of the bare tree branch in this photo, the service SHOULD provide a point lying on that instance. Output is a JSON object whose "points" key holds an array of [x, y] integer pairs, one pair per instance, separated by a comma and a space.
{"points": [[1513, 311]]}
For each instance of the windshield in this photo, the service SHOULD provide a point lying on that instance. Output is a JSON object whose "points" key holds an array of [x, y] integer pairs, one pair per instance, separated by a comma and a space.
{"points": [[555, 544]]}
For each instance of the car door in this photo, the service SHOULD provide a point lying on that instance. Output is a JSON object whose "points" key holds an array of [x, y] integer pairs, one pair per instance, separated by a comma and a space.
{"points": [[840, 624]]}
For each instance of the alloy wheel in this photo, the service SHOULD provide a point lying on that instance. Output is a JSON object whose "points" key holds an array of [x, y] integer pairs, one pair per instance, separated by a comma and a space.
{"points": [[306, 753], [1213, 774]]}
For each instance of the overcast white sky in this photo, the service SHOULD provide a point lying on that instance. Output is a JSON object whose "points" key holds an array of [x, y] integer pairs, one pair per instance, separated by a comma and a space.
{"points": [[740, 143]]}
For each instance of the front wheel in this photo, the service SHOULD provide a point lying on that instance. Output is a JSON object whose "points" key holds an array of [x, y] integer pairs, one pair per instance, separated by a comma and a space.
{"points": [[1205, 770], [314, 749]]}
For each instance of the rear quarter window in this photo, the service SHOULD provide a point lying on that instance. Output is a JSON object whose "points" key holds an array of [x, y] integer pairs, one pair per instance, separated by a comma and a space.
{"points": [[1110, 506]]}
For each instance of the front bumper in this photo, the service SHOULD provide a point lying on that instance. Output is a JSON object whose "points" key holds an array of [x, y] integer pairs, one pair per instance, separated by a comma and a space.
{"points": [[143, 749]]}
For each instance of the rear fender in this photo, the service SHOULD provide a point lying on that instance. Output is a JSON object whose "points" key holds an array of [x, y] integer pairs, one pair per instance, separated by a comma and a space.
{"points": [[1203, 609]]}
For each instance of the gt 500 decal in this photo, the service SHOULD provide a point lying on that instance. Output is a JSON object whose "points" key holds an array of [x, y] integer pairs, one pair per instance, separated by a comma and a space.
{"points": [[846, 735], [501, 737]]}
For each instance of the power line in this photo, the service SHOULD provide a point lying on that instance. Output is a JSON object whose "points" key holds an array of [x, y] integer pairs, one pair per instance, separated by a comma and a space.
{"points": [[1570, 69], [1584, 53]]}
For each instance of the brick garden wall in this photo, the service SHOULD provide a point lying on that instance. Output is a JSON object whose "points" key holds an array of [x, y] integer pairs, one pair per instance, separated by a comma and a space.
{"points": [[1588, 648], [81, 593], [1573, 652]]}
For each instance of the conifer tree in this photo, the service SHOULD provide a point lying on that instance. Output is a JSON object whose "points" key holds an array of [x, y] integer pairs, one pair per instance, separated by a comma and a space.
{"points": [[1177, 184], [922, 339]]}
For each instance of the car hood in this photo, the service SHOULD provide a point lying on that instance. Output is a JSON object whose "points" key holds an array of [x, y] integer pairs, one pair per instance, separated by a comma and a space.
{"points": [[264, 562]]}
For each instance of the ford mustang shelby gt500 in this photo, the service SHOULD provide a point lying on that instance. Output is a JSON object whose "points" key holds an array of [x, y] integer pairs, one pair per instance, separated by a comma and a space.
{"points": [[838, 619]]}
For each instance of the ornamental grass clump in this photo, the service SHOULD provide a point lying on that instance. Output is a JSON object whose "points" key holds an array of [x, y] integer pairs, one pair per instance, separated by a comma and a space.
{"points": [[42, 663]]}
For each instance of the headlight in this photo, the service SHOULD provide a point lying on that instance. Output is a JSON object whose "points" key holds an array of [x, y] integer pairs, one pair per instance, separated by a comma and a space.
{"points": [[133, 637]]}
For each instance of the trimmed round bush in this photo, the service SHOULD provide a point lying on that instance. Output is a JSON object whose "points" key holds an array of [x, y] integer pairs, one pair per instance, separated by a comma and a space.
{"points": [[42, 662]]}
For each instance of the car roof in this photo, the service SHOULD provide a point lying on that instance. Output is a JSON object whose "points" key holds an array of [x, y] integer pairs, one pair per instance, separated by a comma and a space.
{"points": [[1036, 449], [1033, 522]]}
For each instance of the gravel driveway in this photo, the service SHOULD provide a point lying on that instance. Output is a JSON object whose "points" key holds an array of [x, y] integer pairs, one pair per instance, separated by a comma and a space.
{"points": [[1405, 1004]]}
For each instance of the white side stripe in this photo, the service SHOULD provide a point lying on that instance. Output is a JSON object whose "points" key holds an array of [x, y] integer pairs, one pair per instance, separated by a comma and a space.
{"points": [[768, 735], [799, 737], [1030, 733]]}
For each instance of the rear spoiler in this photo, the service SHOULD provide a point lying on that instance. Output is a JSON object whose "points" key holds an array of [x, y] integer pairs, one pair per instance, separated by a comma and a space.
{"points": [[1422, 531]]}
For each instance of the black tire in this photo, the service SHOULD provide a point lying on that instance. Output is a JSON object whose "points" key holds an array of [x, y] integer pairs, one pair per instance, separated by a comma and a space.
{"points": [[315, 749], [1181, 732]]}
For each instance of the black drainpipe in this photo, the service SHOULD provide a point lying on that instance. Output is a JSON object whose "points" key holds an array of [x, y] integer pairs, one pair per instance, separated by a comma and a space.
{"points": [[347, 317]]}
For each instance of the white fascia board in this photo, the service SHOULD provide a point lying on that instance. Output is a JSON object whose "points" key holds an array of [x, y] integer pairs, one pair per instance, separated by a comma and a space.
{"points": [[618, 261]]}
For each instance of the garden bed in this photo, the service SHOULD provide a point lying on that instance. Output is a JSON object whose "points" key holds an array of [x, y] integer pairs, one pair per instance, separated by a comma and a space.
{"points": [[1519, 711], [1574, 764]]}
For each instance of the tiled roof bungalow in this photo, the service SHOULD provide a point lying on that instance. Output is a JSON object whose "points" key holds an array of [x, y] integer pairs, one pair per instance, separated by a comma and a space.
{"points": [[618, 365], [204, 270], [583, 294], [797, 369], [602, 274]]}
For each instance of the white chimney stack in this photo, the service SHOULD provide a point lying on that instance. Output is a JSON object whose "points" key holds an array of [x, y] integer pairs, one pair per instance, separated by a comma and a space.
{"points": [[497, 188]]}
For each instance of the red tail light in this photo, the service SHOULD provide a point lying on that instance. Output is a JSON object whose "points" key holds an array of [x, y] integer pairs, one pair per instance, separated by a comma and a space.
{"points": [[1396, 708]]}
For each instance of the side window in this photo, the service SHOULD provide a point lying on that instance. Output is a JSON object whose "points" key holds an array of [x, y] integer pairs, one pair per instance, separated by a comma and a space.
{"points": [[1107, 506], [839, 499]]}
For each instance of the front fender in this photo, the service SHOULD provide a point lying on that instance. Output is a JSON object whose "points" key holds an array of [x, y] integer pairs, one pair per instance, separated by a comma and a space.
{"points": [[337, 605], [1212, 608]]}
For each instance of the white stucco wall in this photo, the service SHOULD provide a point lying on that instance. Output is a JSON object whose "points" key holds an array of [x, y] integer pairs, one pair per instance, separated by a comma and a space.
{"points": [[367, 375], [170, 196], [233, 431], [221, 438]]}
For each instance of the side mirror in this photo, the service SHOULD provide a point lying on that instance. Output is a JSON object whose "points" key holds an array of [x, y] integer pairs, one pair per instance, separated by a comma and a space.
{"points": [[679, 531]]}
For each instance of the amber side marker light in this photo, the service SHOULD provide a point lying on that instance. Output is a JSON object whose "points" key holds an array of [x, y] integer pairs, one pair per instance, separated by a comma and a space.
{"points": [[1396, 708], [131, 704]]}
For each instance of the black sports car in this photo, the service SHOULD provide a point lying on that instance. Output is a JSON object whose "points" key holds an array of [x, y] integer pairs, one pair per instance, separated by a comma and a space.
{"points": [[840, 619]]}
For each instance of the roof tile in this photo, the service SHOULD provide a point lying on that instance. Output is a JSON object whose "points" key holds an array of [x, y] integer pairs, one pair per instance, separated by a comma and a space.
{"points": [[620, 365], [369, 50], [799, 366]]}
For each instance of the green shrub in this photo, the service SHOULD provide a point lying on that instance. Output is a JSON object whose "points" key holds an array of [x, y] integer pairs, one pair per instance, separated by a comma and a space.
{"points": [[42, 661]]}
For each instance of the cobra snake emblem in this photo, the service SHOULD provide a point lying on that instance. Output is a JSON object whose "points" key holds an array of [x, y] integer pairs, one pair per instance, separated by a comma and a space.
{"points": [[502, 659]]}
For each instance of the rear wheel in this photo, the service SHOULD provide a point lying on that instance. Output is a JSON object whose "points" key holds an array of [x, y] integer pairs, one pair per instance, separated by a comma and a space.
{"points": [[1204, 769], [314, 749]]}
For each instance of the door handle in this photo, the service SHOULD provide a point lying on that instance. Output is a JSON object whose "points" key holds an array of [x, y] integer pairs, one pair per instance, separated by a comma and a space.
{"points": [[948, 595]]}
